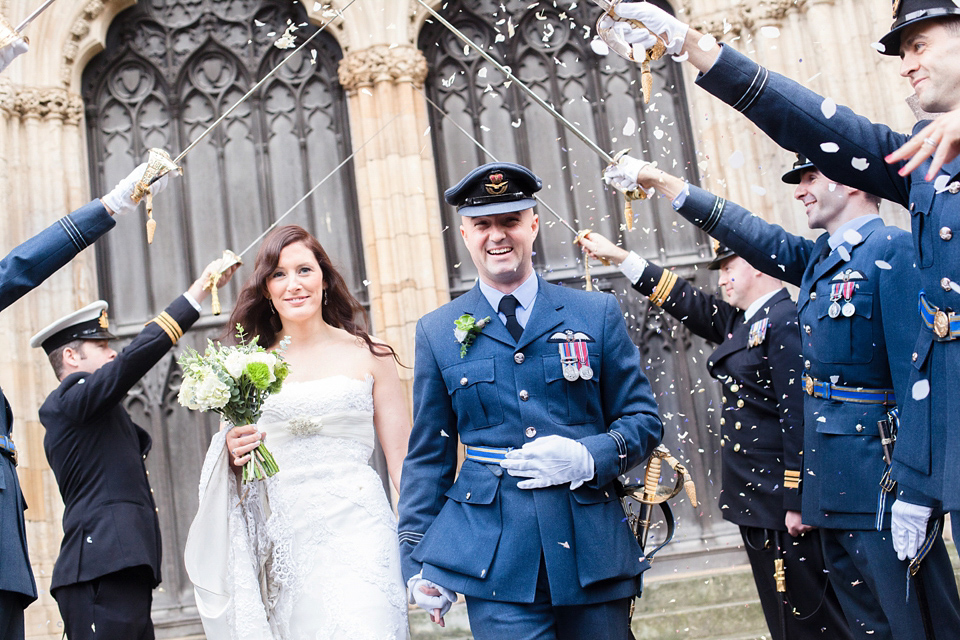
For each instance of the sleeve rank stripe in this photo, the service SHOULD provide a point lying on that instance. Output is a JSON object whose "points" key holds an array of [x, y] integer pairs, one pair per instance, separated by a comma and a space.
{"points": [[710, 222], [73, 233], [753, 91], [170, 326], [621, 449], [660, 294]]}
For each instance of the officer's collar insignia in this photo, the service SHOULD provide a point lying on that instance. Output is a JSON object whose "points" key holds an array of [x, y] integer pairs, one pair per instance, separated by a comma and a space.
{"points": [[758, 333], [569, 335], [848, 275], [104, 322], [497, 185]]}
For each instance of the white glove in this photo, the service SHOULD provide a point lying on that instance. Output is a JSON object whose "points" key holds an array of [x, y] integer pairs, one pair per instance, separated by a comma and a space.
{"points": [[658, 21], [908, 524], [549, 461], [623, 175], [11, 51], [430, 604], [120, 199]]}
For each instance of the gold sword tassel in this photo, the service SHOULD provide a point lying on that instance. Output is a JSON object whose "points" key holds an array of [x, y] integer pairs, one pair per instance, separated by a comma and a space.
{"points": [[627, 51], [226, 261], [159, 163]]}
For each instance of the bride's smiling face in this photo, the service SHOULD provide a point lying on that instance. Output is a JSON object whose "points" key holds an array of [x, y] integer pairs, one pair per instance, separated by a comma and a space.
{"points": [[296, 284]]}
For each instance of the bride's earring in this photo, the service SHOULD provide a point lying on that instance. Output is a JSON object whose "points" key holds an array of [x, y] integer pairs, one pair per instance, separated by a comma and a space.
{"points": [[324, 297], [273, 309]]}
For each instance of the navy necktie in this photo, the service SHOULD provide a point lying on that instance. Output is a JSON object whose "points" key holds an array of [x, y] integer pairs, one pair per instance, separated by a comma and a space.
{"points": [[508, 307]]}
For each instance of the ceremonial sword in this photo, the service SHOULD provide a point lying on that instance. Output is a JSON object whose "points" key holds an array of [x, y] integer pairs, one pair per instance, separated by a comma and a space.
{"points": [[30, 18]]}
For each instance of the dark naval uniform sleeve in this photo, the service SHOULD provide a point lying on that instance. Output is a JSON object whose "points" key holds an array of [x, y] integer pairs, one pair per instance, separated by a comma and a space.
{"points": [[20, 271], [97, 454]]}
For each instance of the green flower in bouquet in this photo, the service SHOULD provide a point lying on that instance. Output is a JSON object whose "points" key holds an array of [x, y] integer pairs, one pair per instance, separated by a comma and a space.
{"points": [[235, 381]]}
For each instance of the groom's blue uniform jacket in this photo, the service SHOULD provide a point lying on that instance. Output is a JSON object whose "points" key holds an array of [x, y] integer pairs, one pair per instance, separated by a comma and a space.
{"points": [[928, 445], [481, 535], [20, 271]]}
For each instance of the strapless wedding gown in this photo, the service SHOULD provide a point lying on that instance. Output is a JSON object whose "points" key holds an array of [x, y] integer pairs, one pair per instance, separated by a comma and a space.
{"points": [[311, 553]]}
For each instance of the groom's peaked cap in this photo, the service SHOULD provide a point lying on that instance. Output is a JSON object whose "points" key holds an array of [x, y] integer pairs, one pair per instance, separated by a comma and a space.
{"points": [[89, 323], [494, 188], [909, 12], [796, 171]]}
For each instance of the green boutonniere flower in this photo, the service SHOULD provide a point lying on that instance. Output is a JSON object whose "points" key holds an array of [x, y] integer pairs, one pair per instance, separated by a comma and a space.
{"points": [[466, 330]]}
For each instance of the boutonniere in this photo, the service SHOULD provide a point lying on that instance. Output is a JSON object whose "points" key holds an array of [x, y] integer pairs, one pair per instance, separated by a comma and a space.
{"points": [[466, 330]]}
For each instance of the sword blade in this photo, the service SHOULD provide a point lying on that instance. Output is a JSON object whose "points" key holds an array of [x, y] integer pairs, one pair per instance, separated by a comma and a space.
{"points": [[30, 18], [569, 126]]}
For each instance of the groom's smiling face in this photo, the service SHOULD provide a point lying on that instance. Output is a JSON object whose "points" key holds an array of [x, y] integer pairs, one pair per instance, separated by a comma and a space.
{"points": [[501, 246]]}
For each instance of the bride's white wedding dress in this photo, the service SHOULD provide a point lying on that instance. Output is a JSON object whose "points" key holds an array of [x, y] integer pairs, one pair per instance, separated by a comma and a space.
{"points": [[312, 552]]}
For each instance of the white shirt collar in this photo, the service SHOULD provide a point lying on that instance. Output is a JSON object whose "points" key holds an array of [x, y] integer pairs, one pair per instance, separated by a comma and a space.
{"points": [[836, 238], [757, 304], [525, 294]]}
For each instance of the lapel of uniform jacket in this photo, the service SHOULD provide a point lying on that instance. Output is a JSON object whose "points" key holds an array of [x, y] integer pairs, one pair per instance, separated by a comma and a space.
{"points": [[475, 304], [546, 314], [952, 169], [836, 256], [729, 346]]}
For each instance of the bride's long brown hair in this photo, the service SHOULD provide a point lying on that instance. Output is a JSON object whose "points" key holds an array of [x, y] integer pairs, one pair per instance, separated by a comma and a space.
{"points": [[253, 310]]}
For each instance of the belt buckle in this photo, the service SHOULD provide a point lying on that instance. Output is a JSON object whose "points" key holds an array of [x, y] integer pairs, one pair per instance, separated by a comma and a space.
{"points": [[941, 324], [808, 385]]}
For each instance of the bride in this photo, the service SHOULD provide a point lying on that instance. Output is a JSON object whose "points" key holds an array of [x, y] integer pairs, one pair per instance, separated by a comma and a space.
{"points": [[312, 552]]}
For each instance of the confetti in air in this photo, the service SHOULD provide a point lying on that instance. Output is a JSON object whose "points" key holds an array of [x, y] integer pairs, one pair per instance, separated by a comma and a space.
{"points": [[828, 108], [830, 147], [921, 389], [860, 163]]}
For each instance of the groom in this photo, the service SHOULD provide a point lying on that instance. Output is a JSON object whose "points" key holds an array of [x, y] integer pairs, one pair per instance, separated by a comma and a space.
{"points": [[545, 390]]}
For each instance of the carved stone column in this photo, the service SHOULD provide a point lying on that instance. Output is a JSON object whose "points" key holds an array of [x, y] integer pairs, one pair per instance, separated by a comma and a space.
{"points": [[399, 211]]}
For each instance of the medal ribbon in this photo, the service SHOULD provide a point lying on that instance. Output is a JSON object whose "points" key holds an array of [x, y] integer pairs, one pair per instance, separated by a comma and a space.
{"points": [[836, 291], [566, 353], [848, 288], [583, 358]]}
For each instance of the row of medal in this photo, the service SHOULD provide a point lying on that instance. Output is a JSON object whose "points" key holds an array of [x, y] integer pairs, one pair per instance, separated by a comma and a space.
{"points": [[575, 360], [842, 291]]}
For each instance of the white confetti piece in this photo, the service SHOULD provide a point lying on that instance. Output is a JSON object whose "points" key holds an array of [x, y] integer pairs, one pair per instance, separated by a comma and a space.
{"points": [[639, 53], [500, 38], [599, 47], [757, 189], [852, 236], [770, 32], [658, 133], [366, 92], [843, 253], [832, 187], [940, 184], [859, 163], [828, 108], [630, 127], [736, 160], [366, 283], [511, 30], [516, 125], [879, 47], [466, 50], [449, 81], [707, 42], [444, 433], [482, 73], [565, 545], [921, 389], [682, 57], [257, 23], [317, 6], [882, 264], [834, 379], [830, 147]]}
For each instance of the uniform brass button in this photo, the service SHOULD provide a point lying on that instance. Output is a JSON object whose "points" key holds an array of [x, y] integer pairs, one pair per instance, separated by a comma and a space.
{"points": [[806, 364], [736, 447], [463, 381], [945, 233], [740, 404], [723, 399], [807, 329], [519, 358], [723, 421], [737, 426], [859, 428], [530, 432], [813, 295], [954, 187], [914, 356], [524, 395], [723, 443], [945, 283], [734, 388]]}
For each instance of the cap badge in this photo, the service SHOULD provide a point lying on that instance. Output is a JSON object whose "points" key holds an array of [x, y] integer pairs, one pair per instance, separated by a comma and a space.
{"points": [[497, 185], [896, 8], [104, 322]]}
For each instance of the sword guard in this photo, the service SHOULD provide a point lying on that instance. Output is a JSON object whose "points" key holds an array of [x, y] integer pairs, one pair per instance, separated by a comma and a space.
{"points": [[159, 163], [626, 50]]}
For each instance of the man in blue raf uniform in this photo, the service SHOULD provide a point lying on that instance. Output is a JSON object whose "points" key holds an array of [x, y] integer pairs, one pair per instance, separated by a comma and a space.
{"points": [[922, 174], [23, 269], [543, 383], [109, 559], [759, 365], [856, 341]]}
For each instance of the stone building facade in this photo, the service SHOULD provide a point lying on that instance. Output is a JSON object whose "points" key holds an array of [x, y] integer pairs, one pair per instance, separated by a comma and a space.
{"points": [[106, 79]]}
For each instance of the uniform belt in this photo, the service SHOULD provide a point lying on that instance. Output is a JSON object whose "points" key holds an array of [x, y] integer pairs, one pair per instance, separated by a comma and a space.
{"points": [[829, 391], [8, 448], [486, 455], [944, 324]]}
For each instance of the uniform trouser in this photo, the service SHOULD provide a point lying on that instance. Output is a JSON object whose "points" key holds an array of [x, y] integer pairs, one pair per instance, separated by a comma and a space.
{"points": [[11, 615], [809, 608], [540, 620], [871, 584], [112, 607]]}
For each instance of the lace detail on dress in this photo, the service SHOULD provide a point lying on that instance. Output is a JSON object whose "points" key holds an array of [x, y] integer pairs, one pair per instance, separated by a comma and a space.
{"points": [[317, 397]]}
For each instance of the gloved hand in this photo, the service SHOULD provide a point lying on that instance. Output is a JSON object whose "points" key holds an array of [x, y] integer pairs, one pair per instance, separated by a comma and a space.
{"points": [[436, 605], [549, 461], [628, 34], [120, 201], [908, 525], [623, 174], [671, 30], [11, 51]]}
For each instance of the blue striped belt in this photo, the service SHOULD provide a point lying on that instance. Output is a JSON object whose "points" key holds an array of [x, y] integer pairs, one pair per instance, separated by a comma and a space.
{"points": [[944, 324], [486, 455], [8, 448], [829, 391]]}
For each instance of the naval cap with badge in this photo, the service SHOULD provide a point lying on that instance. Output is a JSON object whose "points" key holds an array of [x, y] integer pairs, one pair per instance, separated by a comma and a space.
{"points": [[910, 12], [722, 252], [494, 188], [89, 323]]}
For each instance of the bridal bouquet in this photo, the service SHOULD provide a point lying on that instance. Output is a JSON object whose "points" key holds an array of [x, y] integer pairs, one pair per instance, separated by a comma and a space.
{"points": [[235, 381]]}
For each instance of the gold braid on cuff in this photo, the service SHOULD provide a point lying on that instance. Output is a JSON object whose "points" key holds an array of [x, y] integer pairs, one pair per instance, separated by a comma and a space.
{"points": [[169, 326], [660, 294]]}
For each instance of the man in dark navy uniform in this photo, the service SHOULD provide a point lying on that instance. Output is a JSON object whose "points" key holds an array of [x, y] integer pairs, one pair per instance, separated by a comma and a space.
{"points": [[759, 365], [109, 559], [544, 388], [856, 339], [20, 271], [921, 173]]}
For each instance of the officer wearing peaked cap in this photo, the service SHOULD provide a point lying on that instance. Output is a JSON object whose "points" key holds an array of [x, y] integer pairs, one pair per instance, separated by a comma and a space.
{"points": [[545, 389], [855, 341], [109, 558], [759, 365], [921, 172]]}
